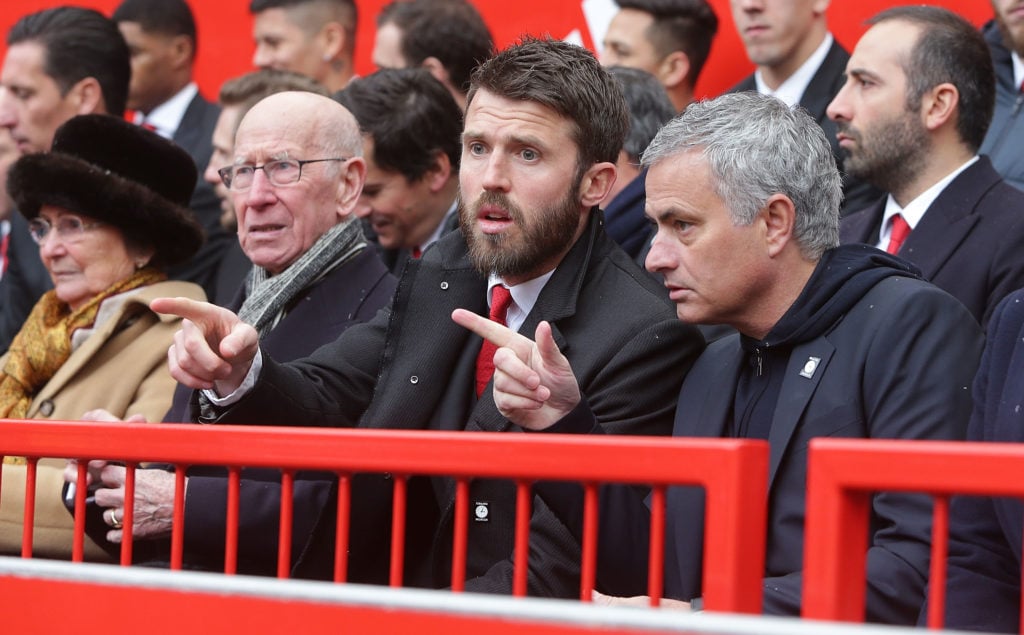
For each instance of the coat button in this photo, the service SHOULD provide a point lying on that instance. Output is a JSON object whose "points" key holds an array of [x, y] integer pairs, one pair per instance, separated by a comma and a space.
{"points": [[444, 286], [46, 408], [414, 379]]}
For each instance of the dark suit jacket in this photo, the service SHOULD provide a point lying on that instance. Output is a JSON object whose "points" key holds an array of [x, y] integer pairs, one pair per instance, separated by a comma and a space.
{"points": [[895, 366], [24, 280], [412, 367], [194, 135], [350, 294], [624, 218], [983, 583], [970, 242], [824, 86]]}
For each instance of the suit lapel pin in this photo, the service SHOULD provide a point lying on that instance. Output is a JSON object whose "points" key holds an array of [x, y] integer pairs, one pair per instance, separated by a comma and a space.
{"points": [[809, 367]]}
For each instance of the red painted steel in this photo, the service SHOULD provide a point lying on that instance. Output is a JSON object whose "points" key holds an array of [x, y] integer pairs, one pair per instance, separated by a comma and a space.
{"points": [[843, 474], [461, 535], [341, 536], [656, 560], [128, 514], [733, 472], [284, 543], [231, 536], [588, 571], [398, 530], [937, 574]]}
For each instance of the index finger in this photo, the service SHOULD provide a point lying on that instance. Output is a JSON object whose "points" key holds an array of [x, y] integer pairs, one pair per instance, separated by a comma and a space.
{"points": [[184, 308], [490, 330]]}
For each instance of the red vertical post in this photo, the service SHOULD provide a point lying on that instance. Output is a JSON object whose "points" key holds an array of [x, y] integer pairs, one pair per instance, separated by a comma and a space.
{"points": [[940, 549], [520, 567], [460, 539], [284, 543], [588, 569], [178, 519], [398, 531], [128, 515], [656, 560], [30, 507], [231, 532], [342, 527]]}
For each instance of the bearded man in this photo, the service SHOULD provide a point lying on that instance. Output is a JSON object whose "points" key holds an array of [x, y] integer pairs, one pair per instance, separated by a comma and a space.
{"points": [[911, 117], [543, 127]]}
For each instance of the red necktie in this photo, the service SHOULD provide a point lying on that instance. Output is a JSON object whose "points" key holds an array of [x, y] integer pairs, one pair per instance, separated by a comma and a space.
{"points": [[501, 299], [416, 252], [899, 233]]}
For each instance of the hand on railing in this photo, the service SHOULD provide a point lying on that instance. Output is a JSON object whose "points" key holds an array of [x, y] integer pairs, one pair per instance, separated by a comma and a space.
{"points": [[534, 385], [214, 349], [641, 601]]}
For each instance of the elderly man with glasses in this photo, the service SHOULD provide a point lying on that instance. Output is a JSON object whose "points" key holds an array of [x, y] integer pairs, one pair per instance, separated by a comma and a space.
{"points": [[294, 183]]}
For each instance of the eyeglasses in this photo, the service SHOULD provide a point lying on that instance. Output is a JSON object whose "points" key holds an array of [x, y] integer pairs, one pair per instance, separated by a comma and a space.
{"points": [[70, 229], [281, 173]]}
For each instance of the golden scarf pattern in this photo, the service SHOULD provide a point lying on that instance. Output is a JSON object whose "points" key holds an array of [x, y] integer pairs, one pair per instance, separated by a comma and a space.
{"points": [[44, 342]]}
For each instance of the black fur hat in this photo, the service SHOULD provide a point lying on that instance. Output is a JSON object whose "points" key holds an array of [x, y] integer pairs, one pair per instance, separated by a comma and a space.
{"points": [[116, 172]]}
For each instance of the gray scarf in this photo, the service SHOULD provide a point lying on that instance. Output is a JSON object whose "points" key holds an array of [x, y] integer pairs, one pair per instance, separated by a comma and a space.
{"points": [[267, 296]]}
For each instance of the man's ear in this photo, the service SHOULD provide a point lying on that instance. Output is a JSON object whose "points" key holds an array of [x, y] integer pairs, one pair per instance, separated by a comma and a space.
{"points": [[182, 51], [674, 69], [940, 106], [440, 172], [779, 218], [86, 96], [350, 186], [333, 37], [596, 182]]}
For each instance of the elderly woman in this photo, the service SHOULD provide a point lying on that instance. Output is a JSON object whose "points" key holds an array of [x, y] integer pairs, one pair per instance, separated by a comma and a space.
{"points": [[108, 207]]}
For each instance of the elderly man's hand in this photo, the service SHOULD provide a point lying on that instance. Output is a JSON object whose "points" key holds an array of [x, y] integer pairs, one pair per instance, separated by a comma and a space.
{"points": [[213, 349], [154, 501], [641, 601], [534, 385]]}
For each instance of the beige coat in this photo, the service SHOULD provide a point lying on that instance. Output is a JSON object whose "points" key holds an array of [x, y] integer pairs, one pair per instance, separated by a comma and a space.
{"points": [[122, 367]]}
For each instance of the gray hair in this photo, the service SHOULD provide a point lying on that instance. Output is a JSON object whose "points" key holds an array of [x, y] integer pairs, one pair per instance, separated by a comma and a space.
{"points": [[649, 108], [756, 146]]}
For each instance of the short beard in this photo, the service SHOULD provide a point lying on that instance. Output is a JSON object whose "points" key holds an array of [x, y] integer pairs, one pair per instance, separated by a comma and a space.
{"points": [[547, 235], [895, 153]]}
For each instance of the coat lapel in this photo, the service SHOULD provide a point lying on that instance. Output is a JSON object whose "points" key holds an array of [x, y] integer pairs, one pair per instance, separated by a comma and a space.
{"points": [[808, 363]]}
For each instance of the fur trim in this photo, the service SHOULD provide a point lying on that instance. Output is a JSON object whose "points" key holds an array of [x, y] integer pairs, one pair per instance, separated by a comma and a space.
{"points": [[119, 173]]}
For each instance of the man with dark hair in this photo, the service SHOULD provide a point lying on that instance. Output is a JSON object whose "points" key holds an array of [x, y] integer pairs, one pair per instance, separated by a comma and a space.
{"points": [[833, 341], [649, 110], [799, 62], [1004, 143], [60, 63], [161, 37], [411, 127], [542, 130], [911, 117], [670, 39], [447, 37], [313, 37]]}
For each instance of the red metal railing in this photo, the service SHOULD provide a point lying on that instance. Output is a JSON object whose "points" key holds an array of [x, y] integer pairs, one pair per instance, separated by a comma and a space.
{"points": [[732, 472], [842, 476]]}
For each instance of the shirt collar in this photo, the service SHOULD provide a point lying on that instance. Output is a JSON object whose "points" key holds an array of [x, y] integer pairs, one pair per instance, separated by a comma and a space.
{"points": [[792, 90], [915, 209], [524, 296], [166, 117], [1018, 69], [434, 237]]}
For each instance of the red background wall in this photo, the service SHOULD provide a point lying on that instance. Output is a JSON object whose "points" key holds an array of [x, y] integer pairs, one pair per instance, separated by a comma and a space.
{"points": [[225, 43]]}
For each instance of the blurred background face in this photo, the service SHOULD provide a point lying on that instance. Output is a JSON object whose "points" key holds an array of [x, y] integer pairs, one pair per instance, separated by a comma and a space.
{"points": [[283, 45], [397, 209], [8, 155], [152, 56], [772, 30], [223, 155], [626, 43], [387, 47], [31, 105], [1010, 17]]}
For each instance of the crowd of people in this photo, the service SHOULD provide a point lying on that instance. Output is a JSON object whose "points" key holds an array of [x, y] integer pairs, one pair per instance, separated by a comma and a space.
{"points": [[531, 239]]}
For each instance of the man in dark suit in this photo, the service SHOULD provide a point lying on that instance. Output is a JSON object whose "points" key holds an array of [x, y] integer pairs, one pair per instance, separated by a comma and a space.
{"points": [[308, 284], [542, 130], [60, 63], [411, 126], [983, 584], [833, 341], [799, 62], [911, 117], [161, 35]]}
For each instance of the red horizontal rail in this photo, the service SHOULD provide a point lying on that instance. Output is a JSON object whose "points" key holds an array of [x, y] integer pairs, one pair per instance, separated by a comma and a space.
{"points": [[841, 478]]}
